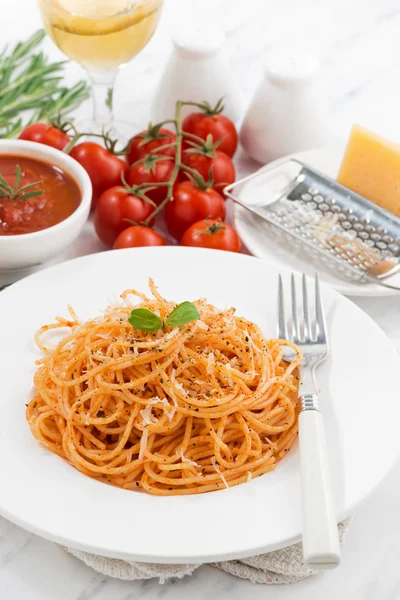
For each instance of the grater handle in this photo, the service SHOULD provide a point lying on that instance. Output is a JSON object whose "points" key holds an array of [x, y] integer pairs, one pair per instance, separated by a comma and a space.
{"points": [[265, 169], [380, 281], [321, 548]]}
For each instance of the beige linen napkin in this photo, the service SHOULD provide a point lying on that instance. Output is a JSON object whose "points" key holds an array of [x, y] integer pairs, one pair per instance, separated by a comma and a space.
{"points": [[281, 566]]}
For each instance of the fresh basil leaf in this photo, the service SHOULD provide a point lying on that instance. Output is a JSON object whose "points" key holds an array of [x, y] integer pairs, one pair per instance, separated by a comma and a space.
{"points": [[182, 314], [145, 320]]}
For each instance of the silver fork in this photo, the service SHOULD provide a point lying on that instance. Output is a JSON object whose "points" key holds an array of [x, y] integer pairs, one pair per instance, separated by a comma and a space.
{"points": [[321, 549]]}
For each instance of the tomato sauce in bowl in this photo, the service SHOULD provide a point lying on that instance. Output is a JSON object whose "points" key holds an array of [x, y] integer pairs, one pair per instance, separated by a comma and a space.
{"points": [[59, 195]]}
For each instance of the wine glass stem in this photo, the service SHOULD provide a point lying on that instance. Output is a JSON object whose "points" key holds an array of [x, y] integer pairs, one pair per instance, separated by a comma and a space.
{"points": [[102, 92]]}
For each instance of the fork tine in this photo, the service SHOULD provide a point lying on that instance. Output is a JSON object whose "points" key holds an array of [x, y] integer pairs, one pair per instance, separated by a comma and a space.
{"points": [[295, 323], [319, 314], [307, 326], [281, 321]]}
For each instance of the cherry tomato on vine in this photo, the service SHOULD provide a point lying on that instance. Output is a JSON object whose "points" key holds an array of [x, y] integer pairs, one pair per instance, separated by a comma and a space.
{"points": [[115, 208], [104, 169], [152, 171], [148, 141], [213, 234], [43, 133], [220, 166], [219, 126], [190, 204], [136, 236]]}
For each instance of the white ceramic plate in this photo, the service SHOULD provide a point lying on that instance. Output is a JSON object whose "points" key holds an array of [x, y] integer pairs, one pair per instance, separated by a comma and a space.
{"points": [[44, 494], [253, 231]]}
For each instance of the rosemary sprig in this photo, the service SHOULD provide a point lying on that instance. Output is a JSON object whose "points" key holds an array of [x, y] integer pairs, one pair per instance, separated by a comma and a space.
{"points": [[16, 192], [30, 84]]}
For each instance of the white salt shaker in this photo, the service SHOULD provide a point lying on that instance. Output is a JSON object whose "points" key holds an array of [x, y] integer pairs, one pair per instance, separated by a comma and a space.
{"points": [[287, 113], [197, 71]]}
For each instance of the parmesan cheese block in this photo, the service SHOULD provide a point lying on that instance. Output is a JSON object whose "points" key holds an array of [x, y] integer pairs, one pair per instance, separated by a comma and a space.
{"points": [[371, 167]]}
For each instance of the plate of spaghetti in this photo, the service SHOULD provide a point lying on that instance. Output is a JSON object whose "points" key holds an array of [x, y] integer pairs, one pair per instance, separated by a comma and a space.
{"points": [[148, 414], [182, 410]]}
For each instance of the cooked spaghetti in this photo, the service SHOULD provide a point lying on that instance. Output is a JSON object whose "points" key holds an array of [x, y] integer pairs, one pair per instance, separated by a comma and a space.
{"points": [[191, 409]]}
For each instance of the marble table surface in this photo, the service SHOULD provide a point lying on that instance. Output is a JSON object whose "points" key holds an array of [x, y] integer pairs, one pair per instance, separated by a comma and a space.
{"points": [[358, 44]]}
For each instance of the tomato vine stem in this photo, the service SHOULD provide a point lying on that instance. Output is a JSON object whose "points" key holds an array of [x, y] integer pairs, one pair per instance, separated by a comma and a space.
{"points": [[178, 162], [178, 159], [195, 177]]}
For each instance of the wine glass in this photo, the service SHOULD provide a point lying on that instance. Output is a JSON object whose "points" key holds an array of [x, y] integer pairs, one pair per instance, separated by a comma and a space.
{"points": [[101, 35]]}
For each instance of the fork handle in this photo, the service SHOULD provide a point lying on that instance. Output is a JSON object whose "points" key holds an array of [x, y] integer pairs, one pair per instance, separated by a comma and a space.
{"points": [[321, 548]]}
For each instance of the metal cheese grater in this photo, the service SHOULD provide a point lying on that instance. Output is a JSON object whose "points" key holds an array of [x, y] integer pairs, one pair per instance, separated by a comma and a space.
{"points": [[314, 215]]}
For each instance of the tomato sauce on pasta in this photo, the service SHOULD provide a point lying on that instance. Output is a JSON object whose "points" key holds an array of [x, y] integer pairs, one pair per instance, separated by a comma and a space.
{"points": [[191, 409]]}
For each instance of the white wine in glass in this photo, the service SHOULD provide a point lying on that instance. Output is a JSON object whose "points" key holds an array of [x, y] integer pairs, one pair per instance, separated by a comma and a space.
{"points": [[101, 35]]}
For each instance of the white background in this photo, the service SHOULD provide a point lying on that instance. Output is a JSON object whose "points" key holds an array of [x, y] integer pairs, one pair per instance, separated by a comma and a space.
{"points": [[358, 43]]}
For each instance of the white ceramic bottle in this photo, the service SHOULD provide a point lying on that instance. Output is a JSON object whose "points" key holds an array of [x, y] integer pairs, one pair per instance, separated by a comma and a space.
{"points": [[287, 113], [197, 71]]}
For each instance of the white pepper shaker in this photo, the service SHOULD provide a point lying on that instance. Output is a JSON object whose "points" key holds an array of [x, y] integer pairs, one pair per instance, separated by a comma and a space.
{"points": [[197, 71], [287, 113]]}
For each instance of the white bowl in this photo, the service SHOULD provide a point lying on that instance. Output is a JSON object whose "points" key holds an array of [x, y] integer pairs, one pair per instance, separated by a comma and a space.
{"points": [[20, 252]]}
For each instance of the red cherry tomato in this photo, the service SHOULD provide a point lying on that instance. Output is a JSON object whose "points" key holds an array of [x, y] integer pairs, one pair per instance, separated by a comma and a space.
{"points": [[45, 134], [115, 208], [219, 126], [189, 205], [212, 234], [160, 171], [136, 236], [221, 167], [147, 141], [104, 169]]}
